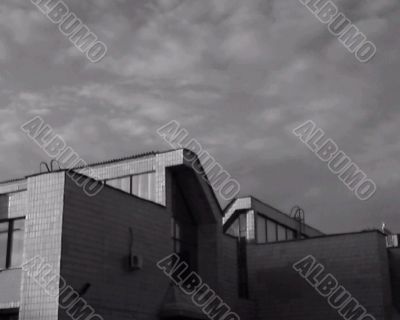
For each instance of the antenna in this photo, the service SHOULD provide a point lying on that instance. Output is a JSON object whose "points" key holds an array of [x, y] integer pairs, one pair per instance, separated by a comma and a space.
{"points": [[298, 214], [46, 166], [50, 168], [52, 162]]}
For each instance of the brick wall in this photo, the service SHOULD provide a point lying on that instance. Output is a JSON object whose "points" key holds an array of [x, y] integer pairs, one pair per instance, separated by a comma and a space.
{"points": [[358, 261], [95, 249], [44, 210], [394, 258]]}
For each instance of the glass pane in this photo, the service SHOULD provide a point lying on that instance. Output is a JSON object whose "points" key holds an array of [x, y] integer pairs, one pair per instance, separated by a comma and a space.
{"points": [[271, 231], [8, 316], [243, 225], [126, 184], [177, 231], [152, 186], [123, 184], [17, 243], [234, 229], [135, 185], [144, 186], [250, 226], [172, 228], [290, 234], [3, 244], [116, 183], [177, 247], [261, 231], [281, 233]]}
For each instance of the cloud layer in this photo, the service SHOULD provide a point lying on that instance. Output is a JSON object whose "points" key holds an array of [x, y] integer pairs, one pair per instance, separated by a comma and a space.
{"points": [[238, 74]]}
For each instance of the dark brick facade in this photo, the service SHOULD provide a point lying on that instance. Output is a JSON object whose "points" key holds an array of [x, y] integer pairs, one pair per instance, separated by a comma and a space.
{"points": [[358, 261], [394, 258]]}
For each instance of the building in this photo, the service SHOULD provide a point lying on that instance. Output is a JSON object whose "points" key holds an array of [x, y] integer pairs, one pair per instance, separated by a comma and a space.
{"points": [[106, 247]]}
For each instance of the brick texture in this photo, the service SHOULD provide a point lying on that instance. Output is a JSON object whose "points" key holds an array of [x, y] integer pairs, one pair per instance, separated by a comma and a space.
{"points": [[96, 246], [358, 261]]}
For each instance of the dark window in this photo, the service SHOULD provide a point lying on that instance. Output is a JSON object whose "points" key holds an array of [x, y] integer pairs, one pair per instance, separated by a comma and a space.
{"points": [[11, 243], [3, 244], [8, 315], [271, 231], [184, 238], [176, 236], [243, 226], [184, 225], [261, 229]]}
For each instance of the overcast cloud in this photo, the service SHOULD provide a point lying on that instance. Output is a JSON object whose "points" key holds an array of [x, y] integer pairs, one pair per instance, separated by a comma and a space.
{"points": [[238, 74]]}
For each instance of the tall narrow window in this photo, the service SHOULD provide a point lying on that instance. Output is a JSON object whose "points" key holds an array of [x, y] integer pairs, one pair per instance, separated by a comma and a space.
{"points": [[17, 242], [271, 231], [152, 186], [3, 244], [243, 226], [135, 185], [176, 236], [144, 186], [261, 230], [185, 228], [11, 243]]}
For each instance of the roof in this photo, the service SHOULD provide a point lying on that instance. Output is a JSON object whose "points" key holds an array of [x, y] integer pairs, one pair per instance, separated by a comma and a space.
{"points": [[94, 164]]}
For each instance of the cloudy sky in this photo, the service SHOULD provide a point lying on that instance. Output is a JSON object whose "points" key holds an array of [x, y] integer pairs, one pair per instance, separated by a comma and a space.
{"points": [[238, 74]]}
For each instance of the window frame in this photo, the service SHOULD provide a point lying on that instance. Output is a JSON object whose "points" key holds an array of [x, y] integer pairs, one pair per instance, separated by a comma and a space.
{"points": [[277, 224], [176, 236], [146, 184], [10, 240]]}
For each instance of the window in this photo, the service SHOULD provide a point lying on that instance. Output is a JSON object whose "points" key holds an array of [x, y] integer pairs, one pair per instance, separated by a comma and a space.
{"points": [[17, 242], [176, 236], [11, 243], [141, 185], [8, 315], [184, 237], [3, 244], [243, 225], [281, 233], [271, 231], [261, 229], [123, 184], [144, 186], [234, 229]]}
